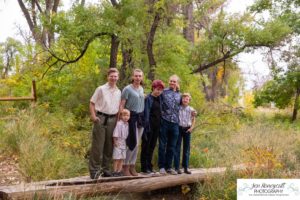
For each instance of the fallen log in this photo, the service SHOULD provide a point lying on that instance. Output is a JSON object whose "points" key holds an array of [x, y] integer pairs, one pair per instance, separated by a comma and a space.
{"points": [[47, 189]]}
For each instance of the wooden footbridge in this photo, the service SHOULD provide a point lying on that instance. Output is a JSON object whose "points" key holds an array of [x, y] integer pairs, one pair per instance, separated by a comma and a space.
{"points": [[84, 186]]}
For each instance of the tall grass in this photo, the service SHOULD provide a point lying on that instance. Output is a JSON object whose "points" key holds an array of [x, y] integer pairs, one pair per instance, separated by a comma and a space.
{"points": [[41, 141], [267, 144], [223, 139]]}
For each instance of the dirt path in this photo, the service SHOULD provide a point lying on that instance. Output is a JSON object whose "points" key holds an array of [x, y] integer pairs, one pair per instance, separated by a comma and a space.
{"points": [[9, 174]]}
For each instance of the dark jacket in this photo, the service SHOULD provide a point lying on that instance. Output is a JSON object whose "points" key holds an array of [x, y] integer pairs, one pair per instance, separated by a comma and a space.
{"points": [[135, 120], [147, 110]]}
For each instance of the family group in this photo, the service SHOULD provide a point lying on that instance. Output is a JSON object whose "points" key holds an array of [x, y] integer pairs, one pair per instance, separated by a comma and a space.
{"points": [[123, 120]]}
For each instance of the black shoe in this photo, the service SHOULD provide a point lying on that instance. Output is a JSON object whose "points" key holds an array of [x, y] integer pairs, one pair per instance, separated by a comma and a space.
{"points": [[178, 171], [94, 175], [146, 172], [121, 174], [187, 171], [117, 174], [106, 173]]}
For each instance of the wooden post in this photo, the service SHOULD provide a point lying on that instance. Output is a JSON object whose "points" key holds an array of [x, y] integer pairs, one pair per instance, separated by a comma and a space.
{"points": [[32, 98], [33, 91]]}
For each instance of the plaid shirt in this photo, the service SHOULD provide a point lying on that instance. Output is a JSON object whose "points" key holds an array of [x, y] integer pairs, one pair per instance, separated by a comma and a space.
{"points": [[185, 116], [170, 105]]}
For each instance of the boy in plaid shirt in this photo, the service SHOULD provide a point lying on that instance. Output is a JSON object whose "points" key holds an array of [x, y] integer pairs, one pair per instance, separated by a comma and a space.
{"points": [[186, 124]]}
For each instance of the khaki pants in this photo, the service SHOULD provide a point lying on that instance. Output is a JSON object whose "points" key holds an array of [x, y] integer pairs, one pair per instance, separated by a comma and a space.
{"points": [[102, 145]]}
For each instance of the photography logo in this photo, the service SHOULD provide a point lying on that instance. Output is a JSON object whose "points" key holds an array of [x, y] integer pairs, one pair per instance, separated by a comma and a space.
{"points": [[279, 189]]}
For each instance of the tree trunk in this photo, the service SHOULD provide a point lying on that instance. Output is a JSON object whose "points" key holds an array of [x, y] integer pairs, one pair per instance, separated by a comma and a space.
{"points": [[188, 30], [114, 51], [296, 105], [28, 19], [211, 92], [84, 187], [152, 63], [42, 35], [127, 63]]}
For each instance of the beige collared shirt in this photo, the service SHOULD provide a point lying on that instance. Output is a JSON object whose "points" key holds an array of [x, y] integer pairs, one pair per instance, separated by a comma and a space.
{"points": [[107, 99]]}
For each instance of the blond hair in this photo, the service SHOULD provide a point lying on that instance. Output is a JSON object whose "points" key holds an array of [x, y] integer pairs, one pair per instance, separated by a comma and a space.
{"points": [[124, 112], [186, 94], [177, 80], [137, 70], [175, 76]]}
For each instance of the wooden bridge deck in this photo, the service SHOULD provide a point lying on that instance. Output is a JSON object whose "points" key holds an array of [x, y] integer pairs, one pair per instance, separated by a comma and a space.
{"points": [[84, 186]]}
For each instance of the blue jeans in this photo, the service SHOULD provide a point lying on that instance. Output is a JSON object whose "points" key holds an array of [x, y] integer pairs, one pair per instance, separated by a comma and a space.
{"points": [[167, 142], [186, 137]]}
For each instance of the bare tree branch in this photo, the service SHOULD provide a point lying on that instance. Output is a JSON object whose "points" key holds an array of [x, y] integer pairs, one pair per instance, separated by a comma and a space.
{"points": [[227, 55], [27, 16], [49, 67], [82, 52], [38, 6], [55, 6]]}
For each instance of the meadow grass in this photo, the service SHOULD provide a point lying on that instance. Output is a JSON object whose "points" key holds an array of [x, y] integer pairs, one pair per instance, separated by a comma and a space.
{"points": [[42, 142], [53, 145], [267, 143]]}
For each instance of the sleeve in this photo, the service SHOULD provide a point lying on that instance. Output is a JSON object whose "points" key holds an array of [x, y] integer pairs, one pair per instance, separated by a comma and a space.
{"points": [[117, 130], [193, 110], [96, 96], [125, 93], [147, 113]]}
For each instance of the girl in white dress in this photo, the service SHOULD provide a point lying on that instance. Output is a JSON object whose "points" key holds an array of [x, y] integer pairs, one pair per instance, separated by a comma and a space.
{"points": [[119, 139]]}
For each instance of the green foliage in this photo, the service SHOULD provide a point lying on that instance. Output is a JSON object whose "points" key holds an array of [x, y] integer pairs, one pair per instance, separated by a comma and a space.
{"points": [[282, 90], [42, 140], [268, 146], [285, 10], [52, 138], [171, 50], [272, 33]]}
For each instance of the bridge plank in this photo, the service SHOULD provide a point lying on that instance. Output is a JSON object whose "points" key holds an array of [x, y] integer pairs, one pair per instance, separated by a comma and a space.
{"points": [[84, 186]]}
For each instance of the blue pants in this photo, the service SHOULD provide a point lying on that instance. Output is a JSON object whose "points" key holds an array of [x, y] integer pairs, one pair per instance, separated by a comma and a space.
{"points": [[167, 142], [186, 137]]}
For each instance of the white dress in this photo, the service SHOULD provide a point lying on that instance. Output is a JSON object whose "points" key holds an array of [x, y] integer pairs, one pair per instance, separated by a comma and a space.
{"points": [[121, 133]]}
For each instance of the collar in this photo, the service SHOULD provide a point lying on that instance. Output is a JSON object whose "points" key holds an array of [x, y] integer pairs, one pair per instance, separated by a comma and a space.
{"points": [[111, 87]]}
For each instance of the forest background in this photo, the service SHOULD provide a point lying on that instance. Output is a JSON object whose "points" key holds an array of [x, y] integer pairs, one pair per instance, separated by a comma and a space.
{"points": [[68, 52]]}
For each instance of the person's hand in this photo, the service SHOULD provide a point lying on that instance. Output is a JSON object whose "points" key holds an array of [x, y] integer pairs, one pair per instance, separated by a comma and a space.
{"points": [[194, 113], [95, 119], [117, 143], [189, 130]]}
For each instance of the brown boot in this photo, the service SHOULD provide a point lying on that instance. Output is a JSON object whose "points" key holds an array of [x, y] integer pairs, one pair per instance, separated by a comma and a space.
{"points": [[126, 170], [132, 170]]}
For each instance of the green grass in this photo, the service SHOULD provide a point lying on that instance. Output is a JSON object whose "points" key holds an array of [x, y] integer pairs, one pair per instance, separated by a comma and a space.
{"points": [[268, 143], [52, 145], [42, 141]]}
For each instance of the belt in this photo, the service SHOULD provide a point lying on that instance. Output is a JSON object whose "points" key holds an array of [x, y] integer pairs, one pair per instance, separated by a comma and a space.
{"points": [[105, 115]]}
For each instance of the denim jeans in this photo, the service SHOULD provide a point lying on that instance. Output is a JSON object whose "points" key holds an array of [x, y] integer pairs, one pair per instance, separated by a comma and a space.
{"points": [[167, 142], [186, 137]]}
